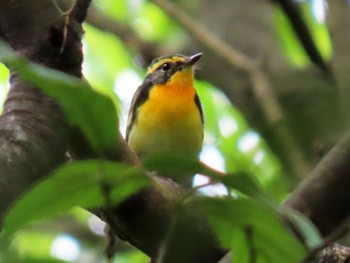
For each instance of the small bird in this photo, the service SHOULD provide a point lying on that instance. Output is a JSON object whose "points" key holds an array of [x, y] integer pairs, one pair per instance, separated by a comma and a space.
{"points": [[166, 114]]}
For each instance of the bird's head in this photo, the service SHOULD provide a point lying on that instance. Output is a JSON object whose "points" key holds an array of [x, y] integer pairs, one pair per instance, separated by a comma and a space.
{"points": [[174, 70]]}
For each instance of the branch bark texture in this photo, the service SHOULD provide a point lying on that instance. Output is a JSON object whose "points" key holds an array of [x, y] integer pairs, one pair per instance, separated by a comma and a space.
{"points": [[324, 196], [33, 131]]}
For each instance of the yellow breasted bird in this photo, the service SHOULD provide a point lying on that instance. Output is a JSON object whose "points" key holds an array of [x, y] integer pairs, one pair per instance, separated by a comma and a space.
{"points": [[166, 113]]}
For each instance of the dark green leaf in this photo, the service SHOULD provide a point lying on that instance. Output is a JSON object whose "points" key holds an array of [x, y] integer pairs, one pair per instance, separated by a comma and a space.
{"points": [[173, 162], [252, 231], [184, 164], [75, 184]]}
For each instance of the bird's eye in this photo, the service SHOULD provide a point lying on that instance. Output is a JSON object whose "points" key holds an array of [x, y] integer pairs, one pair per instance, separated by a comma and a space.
{"points": [[165, 66]]}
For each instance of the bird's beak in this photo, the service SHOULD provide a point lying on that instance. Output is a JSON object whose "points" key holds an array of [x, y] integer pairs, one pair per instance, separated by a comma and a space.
{"points": [[192, 60]]}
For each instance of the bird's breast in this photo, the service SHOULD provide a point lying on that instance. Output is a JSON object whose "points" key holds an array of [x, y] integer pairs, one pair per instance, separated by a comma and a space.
{"points": [[169, 120]]}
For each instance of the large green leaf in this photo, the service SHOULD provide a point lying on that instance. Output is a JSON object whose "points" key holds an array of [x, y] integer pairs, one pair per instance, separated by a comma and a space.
{"points": [[173, 162], [75, 184], [92, 112], [252, 231], [181, 164]]}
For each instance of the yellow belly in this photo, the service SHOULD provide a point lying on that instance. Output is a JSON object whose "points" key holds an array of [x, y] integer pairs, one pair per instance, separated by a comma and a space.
{"points": [[168, 121]]}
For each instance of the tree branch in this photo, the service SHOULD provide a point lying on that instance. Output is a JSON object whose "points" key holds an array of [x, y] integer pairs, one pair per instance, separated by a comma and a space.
{"points": [[324, 196], [79, 10]]}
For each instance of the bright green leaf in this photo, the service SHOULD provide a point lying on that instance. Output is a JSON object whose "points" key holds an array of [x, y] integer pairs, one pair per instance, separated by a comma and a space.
{"points": [[292, 47], [131, 256], [91, 111], [290, 42], [152, 23], [75, 184], [318, 30]]}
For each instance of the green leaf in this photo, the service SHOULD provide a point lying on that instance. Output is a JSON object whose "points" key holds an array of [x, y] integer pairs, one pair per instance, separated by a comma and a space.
{"points": [[292, 47], [27, 246], [252, 231], [318, 29], [182, 164], [75, 184], [91, 111], [290, 42], [310, 235], [245, 184], [153, 24], [173, 162]]}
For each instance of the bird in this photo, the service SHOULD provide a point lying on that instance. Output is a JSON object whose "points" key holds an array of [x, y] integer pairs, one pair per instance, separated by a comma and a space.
{"points": [[166, 114]]}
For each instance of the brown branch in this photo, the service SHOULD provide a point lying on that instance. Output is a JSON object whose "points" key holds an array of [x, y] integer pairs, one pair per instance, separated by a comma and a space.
{"points": [[33, 131], [79, 10], [324, 196]]}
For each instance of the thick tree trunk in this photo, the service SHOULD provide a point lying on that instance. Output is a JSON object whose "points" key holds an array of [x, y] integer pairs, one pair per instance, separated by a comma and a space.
{"points": [[33, 131]]}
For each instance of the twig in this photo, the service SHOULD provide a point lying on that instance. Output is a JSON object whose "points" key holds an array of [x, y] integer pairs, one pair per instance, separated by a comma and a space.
{"points": [[124, 32], [66, 18], [221, 48], [76, 13]]}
